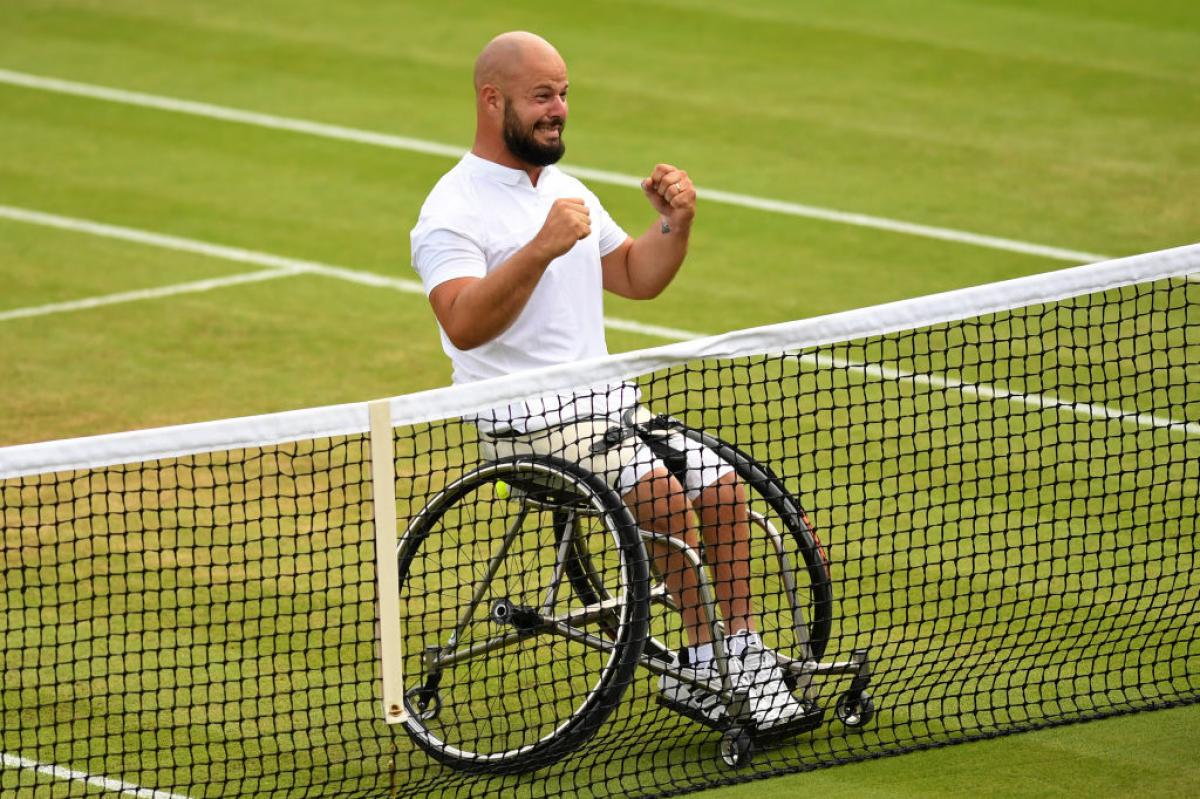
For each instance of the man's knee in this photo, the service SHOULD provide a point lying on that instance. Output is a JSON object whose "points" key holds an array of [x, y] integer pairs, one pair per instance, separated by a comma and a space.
{"points": [[725, 492], [660, 502]]}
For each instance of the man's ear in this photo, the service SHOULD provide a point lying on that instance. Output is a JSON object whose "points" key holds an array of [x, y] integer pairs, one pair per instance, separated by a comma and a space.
{"points": [[492, 99]]}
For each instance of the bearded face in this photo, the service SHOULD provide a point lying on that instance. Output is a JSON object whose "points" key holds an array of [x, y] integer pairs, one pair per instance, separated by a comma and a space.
{"points": [[538, 143]]}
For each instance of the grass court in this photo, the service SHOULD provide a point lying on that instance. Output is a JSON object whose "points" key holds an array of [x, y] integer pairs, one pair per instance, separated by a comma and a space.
{"points": [[1066, 125]]}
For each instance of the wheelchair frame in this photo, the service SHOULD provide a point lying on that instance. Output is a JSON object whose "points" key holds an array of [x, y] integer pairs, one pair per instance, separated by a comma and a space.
{"points": [[546, 484]]}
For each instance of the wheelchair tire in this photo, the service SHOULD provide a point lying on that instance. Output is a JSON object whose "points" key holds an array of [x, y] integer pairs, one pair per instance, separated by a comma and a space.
{"points": [[759, 478], [506, 668]]}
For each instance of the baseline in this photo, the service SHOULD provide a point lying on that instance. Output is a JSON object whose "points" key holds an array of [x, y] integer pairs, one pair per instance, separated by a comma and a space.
{"points": [[339, 132]]}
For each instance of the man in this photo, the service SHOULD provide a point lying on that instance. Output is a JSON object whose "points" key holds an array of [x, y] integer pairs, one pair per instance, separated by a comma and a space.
{"points": [[515, 255]]}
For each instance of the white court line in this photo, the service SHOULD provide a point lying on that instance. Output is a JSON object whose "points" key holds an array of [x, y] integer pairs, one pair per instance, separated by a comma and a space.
{"points": [[283, 267], [146, 294], [657, 331], [107, 783], [208, 110], [1042, 401], [199, 247], [289, 266]]}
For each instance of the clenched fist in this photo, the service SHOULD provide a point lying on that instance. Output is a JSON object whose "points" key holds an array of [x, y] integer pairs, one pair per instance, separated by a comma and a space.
{"points": [[671, 193], [568, 221]]}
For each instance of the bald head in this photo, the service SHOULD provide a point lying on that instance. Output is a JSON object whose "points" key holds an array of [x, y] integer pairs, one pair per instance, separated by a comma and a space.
{"points": [[520, 102], [512, 54]]}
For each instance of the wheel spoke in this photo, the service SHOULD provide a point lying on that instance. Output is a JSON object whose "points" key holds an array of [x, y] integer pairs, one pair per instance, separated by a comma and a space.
{"points": [[515, 684]]}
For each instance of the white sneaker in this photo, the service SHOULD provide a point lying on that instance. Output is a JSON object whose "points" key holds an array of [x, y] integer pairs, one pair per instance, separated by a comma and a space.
{"points": [[691, 700], [771, 701]]}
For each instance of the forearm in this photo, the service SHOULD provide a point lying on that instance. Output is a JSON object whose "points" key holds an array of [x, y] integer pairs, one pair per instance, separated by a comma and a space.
{"points": [[474, 310], [655, 258], [485, 307]]}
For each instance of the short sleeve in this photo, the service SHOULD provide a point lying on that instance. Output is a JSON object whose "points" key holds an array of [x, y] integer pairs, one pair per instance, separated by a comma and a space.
{"points": [[609, 234], [440, 254]]}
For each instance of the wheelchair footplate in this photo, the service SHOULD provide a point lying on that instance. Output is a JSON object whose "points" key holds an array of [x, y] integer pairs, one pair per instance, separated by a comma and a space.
{"points": [[740, 733], [812, 718]]}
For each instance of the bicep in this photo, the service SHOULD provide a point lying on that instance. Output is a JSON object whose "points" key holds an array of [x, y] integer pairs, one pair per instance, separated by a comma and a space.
{"points": [[442, 256], [615, 268], [443, 298], [447, 261]]}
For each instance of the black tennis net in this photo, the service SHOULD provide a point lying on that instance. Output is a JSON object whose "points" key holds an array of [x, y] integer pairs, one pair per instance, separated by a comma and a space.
{"points": [[947, 519]]}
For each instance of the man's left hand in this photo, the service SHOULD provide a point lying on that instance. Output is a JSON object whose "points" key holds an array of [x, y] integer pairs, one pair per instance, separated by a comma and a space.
{"points": [[671, 193]]}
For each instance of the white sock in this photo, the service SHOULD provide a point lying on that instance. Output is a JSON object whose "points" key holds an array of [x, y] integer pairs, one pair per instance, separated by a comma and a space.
{"points": [[700, 655]]}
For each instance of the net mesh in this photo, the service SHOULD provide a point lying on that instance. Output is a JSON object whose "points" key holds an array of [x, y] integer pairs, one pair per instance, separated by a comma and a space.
{"points": [[961, 530]]}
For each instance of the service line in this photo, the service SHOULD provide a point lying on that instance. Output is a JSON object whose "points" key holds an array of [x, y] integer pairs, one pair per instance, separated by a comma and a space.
{"points": [[146, 294], [105, 783], [280, 266]]}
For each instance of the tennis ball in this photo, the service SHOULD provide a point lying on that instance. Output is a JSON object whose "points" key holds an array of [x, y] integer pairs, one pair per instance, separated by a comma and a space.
{"points": [[502, 489]]}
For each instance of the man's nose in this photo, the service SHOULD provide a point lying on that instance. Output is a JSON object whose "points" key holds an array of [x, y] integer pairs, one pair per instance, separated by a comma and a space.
{"points": [[559, 107]]}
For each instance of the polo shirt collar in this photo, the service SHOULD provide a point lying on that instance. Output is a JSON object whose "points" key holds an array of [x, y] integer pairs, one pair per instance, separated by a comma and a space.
{"points": [[499, 172]]}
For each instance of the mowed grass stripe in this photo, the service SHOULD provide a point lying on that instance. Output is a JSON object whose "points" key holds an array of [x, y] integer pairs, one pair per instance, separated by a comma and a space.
{"points": [[146, 294], [91, 780], [282, 265], [159, 102], [148, 50], [288, 266], [177, 243]]}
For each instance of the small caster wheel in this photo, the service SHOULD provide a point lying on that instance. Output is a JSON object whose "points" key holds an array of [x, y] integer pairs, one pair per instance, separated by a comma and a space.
{"points": [[736, 747], [503, 611], [855, 709], [426, 704]]}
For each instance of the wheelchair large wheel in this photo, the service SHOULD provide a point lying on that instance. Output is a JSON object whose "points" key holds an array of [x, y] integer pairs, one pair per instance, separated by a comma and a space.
{"points": [[774, 506], [506, 669], [769, 497]]}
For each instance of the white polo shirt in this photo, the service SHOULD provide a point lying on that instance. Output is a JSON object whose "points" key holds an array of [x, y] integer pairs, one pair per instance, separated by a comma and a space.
{"points": [[475, 219]]}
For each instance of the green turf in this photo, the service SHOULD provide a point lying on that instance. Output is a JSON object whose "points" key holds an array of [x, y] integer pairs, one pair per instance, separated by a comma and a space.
{"points": [[882, 112], [1068, 123], [1145, 754]]}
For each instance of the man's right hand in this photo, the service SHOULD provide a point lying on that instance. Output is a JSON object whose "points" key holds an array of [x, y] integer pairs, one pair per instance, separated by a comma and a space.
{"points": [[568, 221], [474, 310]]}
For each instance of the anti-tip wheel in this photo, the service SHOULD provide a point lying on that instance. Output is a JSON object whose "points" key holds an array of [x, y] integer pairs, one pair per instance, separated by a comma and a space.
{"points": [[855, 709], [426, 704], [736, 747]]}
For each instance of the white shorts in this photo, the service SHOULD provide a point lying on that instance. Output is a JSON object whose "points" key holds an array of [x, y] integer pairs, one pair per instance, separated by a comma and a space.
{"points": [[622, 465]]}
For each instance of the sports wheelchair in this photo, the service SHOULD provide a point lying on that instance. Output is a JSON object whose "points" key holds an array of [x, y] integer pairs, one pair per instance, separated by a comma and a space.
{"points": [[527, 603]]}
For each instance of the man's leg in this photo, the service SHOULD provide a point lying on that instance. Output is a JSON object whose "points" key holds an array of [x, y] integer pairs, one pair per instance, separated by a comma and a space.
{"points": [[725, 520], [725, 526], [659, 503]]}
